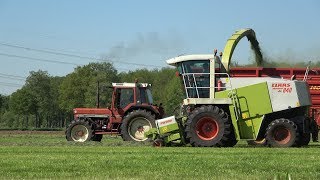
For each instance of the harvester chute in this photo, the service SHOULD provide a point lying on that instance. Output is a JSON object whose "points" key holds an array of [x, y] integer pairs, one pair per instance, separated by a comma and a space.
{"points": [[232, 43]]}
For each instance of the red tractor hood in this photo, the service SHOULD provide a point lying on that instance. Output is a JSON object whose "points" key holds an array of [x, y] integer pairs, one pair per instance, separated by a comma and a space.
{"points": [[93, 111]]}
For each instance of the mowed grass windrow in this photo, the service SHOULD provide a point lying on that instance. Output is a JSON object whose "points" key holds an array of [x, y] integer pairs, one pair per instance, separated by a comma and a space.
{"points": [[42, 155]]}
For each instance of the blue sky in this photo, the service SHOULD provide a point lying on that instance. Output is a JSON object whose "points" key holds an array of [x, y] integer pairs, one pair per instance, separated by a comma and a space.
{"points": [[147, 32]]}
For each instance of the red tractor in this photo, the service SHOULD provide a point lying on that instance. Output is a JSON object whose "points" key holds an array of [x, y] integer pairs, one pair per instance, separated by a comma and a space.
{"points": [[132, 113]]}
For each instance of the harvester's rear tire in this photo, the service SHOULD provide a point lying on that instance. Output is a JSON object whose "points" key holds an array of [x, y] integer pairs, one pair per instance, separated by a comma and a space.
{"points": [[133, 121], [79, 131], [96, 137], [209, 126], [282, 133]]}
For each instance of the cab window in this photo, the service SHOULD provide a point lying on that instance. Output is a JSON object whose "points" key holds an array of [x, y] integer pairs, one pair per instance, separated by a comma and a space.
{"points": [[125, 97], [201, 66], [196, 76]]}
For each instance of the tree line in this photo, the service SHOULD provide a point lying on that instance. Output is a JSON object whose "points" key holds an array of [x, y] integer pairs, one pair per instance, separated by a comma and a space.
{"points": [[47, 101]]}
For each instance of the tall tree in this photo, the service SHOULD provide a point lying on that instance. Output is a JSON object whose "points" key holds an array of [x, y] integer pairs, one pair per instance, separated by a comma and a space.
{"points": [[78, 89]]}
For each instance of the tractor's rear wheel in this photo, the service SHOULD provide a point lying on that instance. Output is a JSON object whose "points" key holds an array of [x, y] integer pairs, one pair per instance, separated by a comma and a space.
{"points": [[209, 126], [282, 133], [135, 124], [79, 131]]}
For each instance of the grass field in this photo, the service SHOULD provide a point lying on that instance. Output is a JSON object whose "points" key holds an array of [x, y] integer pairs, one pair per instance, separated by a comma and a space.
{"points": [[47, 155]]}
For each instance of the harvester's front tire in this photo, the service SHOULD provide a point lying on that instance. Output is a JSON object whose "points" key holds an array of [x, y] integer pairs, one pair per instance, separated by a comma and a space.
{"points": [[79, 131], [232, 141], [135, 120], [209, 126], [282, 133]]}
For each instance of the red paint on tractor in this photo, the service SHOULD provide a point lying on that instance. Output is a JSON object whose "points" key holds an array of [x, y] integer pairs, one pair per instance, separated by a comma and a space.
{"points": [[91, 111]]}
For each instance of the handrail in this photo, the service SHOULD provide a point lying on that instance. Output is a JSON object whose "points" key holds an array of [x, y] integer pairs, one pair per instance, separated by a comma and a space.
{"points": [[194, 85]]}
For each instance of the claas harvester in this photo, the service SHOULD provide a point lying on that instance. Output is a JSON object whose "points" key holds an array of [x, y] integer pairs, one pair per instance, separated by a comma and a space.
{"points": [[219, 110]]}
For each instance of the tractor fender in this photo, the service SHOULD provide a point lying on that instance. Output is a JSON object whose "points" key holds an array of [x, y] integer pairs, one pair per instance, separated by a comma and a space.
{"points": [[146, 107]]}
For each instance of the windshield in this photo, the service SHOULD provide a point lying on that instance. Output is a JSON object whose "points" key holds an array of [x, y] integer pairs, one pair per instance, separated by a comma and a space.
{"points": [[149, 95], [196, 78], [124, 97], [145, 95], [201, 66]]}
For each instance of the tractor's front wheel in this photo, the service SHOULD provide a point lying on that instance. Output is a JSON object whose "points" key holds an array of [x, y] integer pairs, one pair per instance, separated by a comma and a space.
{"points": [[79, 131], [282, 133], [209, 126], [135, 124]]}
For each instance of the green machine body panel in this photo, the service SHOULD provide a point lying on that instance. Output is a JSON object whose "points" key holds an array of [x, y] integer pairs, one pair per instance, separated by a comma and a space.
{"points": [[250, 105], [168, 129]]}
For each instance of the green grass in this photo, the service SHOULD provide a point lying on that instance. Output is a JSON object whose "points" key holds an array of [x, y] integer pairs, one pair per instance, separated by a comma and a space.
{"points": [[43, 155]]}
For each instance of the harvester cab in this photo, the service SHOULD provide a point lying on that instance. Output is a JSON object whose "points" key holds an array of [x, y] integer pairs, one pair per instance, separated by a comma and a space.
{"points": [[223, 109]]}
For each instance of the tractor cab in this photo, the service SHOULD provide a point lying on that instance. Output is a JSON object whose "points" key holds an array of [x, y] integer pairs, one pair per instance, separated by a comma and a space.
{"points": [[128, 94]]}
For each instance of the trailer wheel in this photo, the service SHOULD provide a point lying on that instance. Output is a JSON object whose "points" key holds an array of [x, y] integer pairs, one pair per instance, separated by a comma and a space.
{"points": [[96, 137], [79, 131], [282, 133], [209, 126], [135, 120]]}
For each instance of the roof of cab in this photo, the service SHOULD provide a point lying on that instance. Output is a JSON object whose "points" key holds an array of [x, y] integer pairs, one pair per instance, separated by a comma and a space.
{"points": [[130, 84], [175, 60]]}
